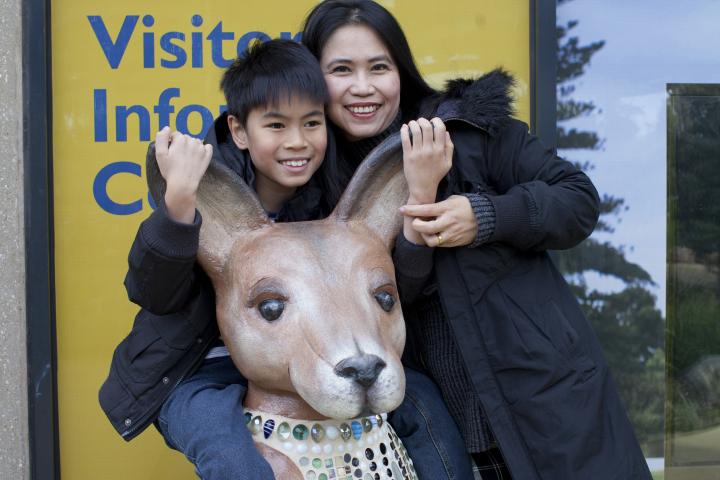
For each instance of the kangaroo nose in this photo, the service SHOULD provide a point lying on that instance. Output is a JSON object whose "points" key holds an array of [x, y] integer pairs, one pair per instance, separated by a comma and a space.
{"points": [[364, 369]]}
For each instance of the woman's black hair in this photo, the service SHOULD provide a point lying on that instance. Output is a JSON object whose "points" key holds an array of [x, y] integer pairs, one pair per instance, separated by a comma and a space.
{"points": [[330, 15], [329, 173]]}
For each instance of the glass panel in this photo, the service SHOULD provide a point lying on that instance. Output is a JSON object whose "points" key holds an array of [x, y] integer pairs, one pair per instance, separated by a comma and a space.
{"points": [[616, 60], [694, 281]]}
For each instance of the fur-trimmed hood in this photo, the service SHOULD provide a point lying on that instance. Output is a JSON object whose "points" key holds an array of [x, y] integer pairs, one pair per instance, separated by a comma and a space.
{"points": [[485, 102]]}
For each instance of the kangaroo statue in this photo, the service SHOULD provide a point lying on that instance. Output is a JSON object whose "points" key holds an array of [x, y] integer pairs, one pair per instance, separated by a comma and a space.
{"points": [[310, 314]]}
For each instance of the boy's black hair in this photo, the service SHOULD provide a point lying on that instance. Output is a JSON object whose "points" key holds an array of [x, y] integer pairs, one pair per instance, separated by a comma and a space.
{"points": [[269, 72], [277, 70]]}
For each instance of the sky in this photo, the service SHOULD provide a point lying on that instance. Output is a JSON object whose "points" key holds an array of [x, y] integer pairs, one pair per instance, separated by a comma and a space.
{"points": [[648, 44]]}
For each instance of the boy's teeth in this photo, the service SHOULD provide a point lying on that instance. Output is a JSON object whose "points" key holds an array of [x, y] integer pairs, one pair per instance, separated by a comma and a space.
{"points": [[294, 163], [368, 109]]}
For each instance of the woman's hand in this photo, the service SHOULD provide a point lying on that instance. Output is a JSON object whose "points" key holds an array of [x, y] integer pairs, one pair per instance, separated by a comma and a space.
{"points": [[182, 161], [450, 223], [427, 157]]}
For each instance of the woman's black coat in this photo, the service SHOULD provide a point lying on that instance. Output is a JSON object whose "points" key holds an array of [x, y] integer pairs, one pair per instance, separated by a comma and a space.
{"points": [[532, 357]]}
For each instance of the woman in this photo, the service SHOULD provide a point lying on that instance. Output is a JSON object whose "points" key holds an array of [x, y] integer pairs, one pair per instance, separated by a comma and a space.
{"points": [[488, 315], [172, 369]]}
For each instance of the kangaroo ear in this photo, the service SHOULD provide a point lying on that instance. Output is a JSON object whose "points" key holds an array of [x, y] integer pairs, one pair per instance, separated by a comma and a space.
{"points": [[229, 210], [376, 192]]}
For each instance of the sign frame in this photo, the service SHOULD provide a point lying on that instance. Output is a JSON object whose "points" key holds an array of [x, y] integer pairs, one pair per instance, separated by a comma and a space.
{"points": [[39, 206]]}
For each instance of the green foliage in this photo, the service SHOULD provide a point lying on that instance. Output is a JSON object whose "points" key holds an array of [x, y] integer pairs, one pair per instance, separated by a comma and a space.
{"points": [[578, 139], [571, 109], [609, 206], [573, 58], [626, 323], [696, 333], [697, 141], [603, 258], [646, 402]]}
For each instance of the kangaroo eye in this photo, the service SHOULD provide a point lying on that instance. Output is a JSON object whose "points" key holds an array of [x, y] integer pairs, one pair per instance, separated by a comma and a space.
{"points": [[385, 300], [271, 309]]}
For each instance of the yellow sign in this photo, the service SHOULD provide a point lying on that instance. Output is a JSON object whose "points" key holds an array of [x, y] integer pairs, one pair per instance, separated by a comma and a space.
{"points": [[121, 70]]}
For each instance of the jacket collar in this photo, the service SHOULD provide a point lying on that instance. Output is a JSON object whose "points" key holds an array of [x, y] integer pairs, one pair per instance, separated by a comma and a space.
{"points": [[485, 102]]}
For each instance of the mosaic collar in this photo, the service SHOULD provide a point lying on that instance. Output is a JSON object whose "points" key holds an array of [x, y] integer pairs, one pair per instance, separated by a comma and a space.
{"points": [[365, 448]]}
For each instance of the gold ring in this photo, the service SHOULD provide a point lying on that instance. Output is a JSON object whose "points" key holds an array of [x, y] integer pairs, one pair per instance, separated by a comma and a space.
{"points": [[439, 238]]}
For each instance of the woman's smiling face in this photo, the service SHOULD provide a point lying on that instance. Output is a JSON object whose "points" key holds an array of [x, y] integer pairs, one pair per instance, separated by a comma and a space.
{"points": [[363, 81]]}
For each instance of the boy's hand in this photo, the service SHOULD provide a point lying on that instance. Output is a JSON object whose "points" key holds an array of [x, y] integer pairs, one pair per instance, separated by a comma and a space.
{"points": [[182, 161], [427, 158]]}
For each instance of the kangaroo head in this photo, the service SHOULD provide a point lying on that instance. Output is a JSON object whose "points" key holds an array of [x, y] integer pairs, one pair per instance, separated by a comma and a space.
{"points": [[310, 308]]}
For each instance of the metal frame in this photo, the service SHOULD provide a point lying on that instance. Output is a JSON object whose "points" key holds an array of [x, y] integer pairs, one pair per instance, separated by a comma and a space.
{"points": [[543, 71], [39, 248], [694, 469], [39, 231]]}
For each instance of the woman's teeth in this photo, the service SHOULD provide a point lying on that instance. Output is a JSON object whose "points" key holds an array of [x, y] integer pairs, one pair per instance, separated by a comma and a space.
{"points": [[367, 109]]}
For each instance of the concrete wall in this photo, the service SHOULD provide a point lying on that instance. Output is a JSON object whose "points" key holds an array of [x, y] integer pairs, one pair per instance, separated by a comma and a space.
{"points": [[13, 372]]}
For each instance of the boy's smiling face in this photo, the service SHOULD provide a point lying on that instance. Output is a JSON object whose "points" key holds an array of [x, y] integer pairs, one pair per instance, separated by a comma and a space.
{"points": [[287, 144]]}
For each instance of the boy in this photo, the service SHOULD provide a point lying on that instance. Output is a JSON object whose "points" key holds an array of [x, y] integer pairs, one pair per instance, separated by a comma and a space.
{"points": [[172, 369], [275, 138]]}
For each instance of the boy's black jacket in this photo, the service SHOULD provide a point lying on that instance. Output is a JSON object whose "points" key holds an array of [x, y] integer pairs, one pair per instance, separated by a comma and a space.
{"points": [[176, 324]]}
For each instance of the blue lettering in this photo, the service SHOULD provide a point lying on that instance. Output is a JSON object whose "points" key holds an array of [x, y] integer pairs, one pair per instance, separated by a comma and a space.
{"points": [[100, 114], [182, 120], [148, 50], [148, 43], [173, 49], [173, 42], [289, 36], [197, 50], [216, 37], [100, 188], [121, 116], [114, 51], [197, 43], [163, 108]]}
